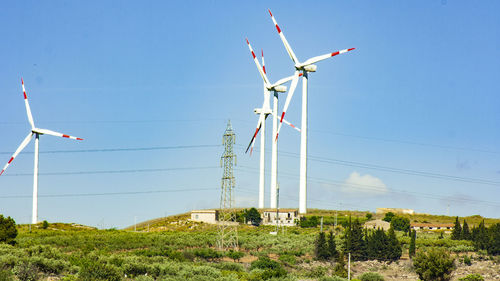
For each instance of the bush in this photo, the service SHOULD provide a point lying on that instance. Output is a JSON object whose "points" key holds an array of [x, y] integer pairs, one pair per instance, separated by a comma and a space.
{"points": [[26, 271], [98, 270], [434, 264], [288, 259], [472, 277], [207, 253], [8, 230], [467, 260], [235, 255], [332, 278], [371, 276], [6, 275], [271, 268], [45, 225]]}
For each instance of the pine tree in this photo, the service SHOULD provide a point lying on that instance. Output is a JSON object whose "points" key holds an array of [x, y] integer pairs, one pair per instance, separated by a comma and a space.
{"points": [[457, 230], [339, 269], [332, 248], [353, 240], [411, 251], [321, 249], [465, 235], [377, 245], [394, 251], [481, 238]]}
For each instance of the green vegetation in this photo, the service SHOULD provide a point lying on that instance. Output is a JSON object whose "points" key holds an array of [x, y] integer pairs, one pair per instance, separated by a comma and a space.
{"points": [[371, 276], [434, 264], [178, 249], [8, 230], [472, 277]]}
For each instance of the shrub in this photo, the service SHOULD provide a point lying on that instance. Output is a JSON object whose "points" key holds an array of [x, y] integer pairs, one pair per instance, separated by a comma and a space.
{"points": [[371, 276], [271, 268], [207, 253], [45, 225], [433, 264], [332, 278], [288, 259], [26, 271], [6, 275], [8, 230], [317, 271], [467, 260], [461, 248], [472, 277], [235, 255], [97, 270]]}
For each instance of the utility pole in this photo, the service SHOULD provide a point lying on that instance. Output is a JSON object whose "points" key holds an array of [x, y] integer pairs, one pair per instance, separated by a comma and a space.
{"points": [[228, 232], [135, 223], [321, 224], [349, 267], [277, 207]]}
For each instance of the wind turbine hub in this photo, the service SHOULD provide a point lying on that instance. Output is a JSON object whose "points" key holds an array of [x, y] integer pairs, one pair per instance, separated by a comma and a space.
{"points": [[280, 89], [310, 68]]}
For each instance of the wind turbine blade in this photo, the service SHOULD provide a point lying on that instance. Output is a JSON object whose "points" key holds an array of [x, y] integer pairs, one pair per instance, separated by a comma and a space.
{"points": [[262, 73], [21, 147], [285, 42], [56, 134], [259, 124], [263, 63], [288, 99], [286, 122], [325, 56], [283, 81], [28, 109]]}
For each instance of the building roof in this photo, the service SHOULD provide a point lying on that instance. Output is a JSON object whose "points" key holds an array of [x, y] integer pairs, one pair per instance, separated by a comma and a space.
{"points": [[204, 211], [432, 225]]}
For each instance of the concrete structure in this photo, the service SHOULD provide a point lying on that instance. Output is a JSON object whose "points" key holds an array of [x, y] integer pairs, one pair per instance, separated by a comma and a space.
{"points": [[375, 224], [447, 227], [395, 211], [286, 217], [206, 216]]}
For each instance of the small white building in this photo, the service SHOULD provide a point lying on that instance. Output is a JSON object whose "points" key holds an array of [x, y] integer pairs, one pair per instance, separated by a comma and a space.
{"points": [[206, 216], [395, 211], [447, 227], [286, 217]]}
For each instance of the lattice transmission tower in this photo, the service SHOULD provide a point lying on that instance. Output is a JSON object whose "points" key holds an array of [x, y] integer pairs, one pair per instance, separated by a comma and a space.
{"points": [[228, 232]]}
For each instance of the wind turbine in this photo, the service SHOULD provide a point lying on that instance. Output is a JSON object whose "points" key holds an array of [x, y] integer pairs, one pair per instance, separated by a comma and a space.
{"points": [[264, 112], [275, 88], [36, 132], [305, 68]]}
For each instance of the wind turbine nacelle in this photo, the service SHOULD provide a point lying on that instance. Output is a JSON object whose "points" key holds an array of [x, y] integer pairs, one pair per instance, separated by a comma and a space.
{"points": [[280, 89], [257, 110], [310, 68]]}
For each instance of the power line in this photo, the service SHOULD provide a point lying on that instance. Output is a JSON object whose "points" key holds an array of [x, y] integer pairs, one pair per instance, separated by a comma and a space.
{"points": [[382, 190], [124, 149], [390, 169], [106, 193], [114, 171]]}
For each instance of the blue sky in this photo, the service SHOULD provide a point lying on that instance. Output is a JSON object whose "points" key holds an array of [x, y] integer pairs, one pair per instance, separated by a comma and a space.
{"points": [[409, 119]]}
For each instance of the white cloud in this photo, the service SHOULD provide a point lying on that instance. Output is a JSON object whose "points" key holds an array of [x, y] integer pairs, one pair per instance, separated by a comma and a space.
{"points": [[364, 184]]}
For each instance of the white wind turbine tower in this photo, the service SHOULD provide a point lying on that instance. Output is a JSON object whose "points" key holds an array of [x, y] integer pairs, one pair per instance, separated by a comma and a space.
{"points": [[36, 132], [264, 112], [305, 68]]}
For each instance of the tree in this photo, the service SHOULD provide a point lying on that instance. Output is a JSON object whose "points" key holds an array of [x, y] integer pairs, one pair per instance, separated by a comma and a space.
{"points": [[8, 230], [45, 225], [253, 216], [394, 251], [411, 250], [321, 248], [434, 264], [377, 245], [465, 235], [388, 216], [332, 248], [457, 230], [494, 241], [400, 223], [369, 216], [481, 237], [339, 269], [353, 240]]}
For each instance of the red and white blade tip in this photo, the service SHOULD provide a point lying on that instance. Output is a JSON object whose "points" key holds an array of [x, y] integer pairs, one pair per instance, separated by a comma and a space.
{"points": [[342, 51]]}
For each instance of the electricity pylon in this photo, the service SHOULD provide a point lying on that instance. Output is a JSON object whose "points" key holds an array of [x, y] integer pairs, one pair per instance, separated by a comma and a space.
{"points": [[228, 232]]}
